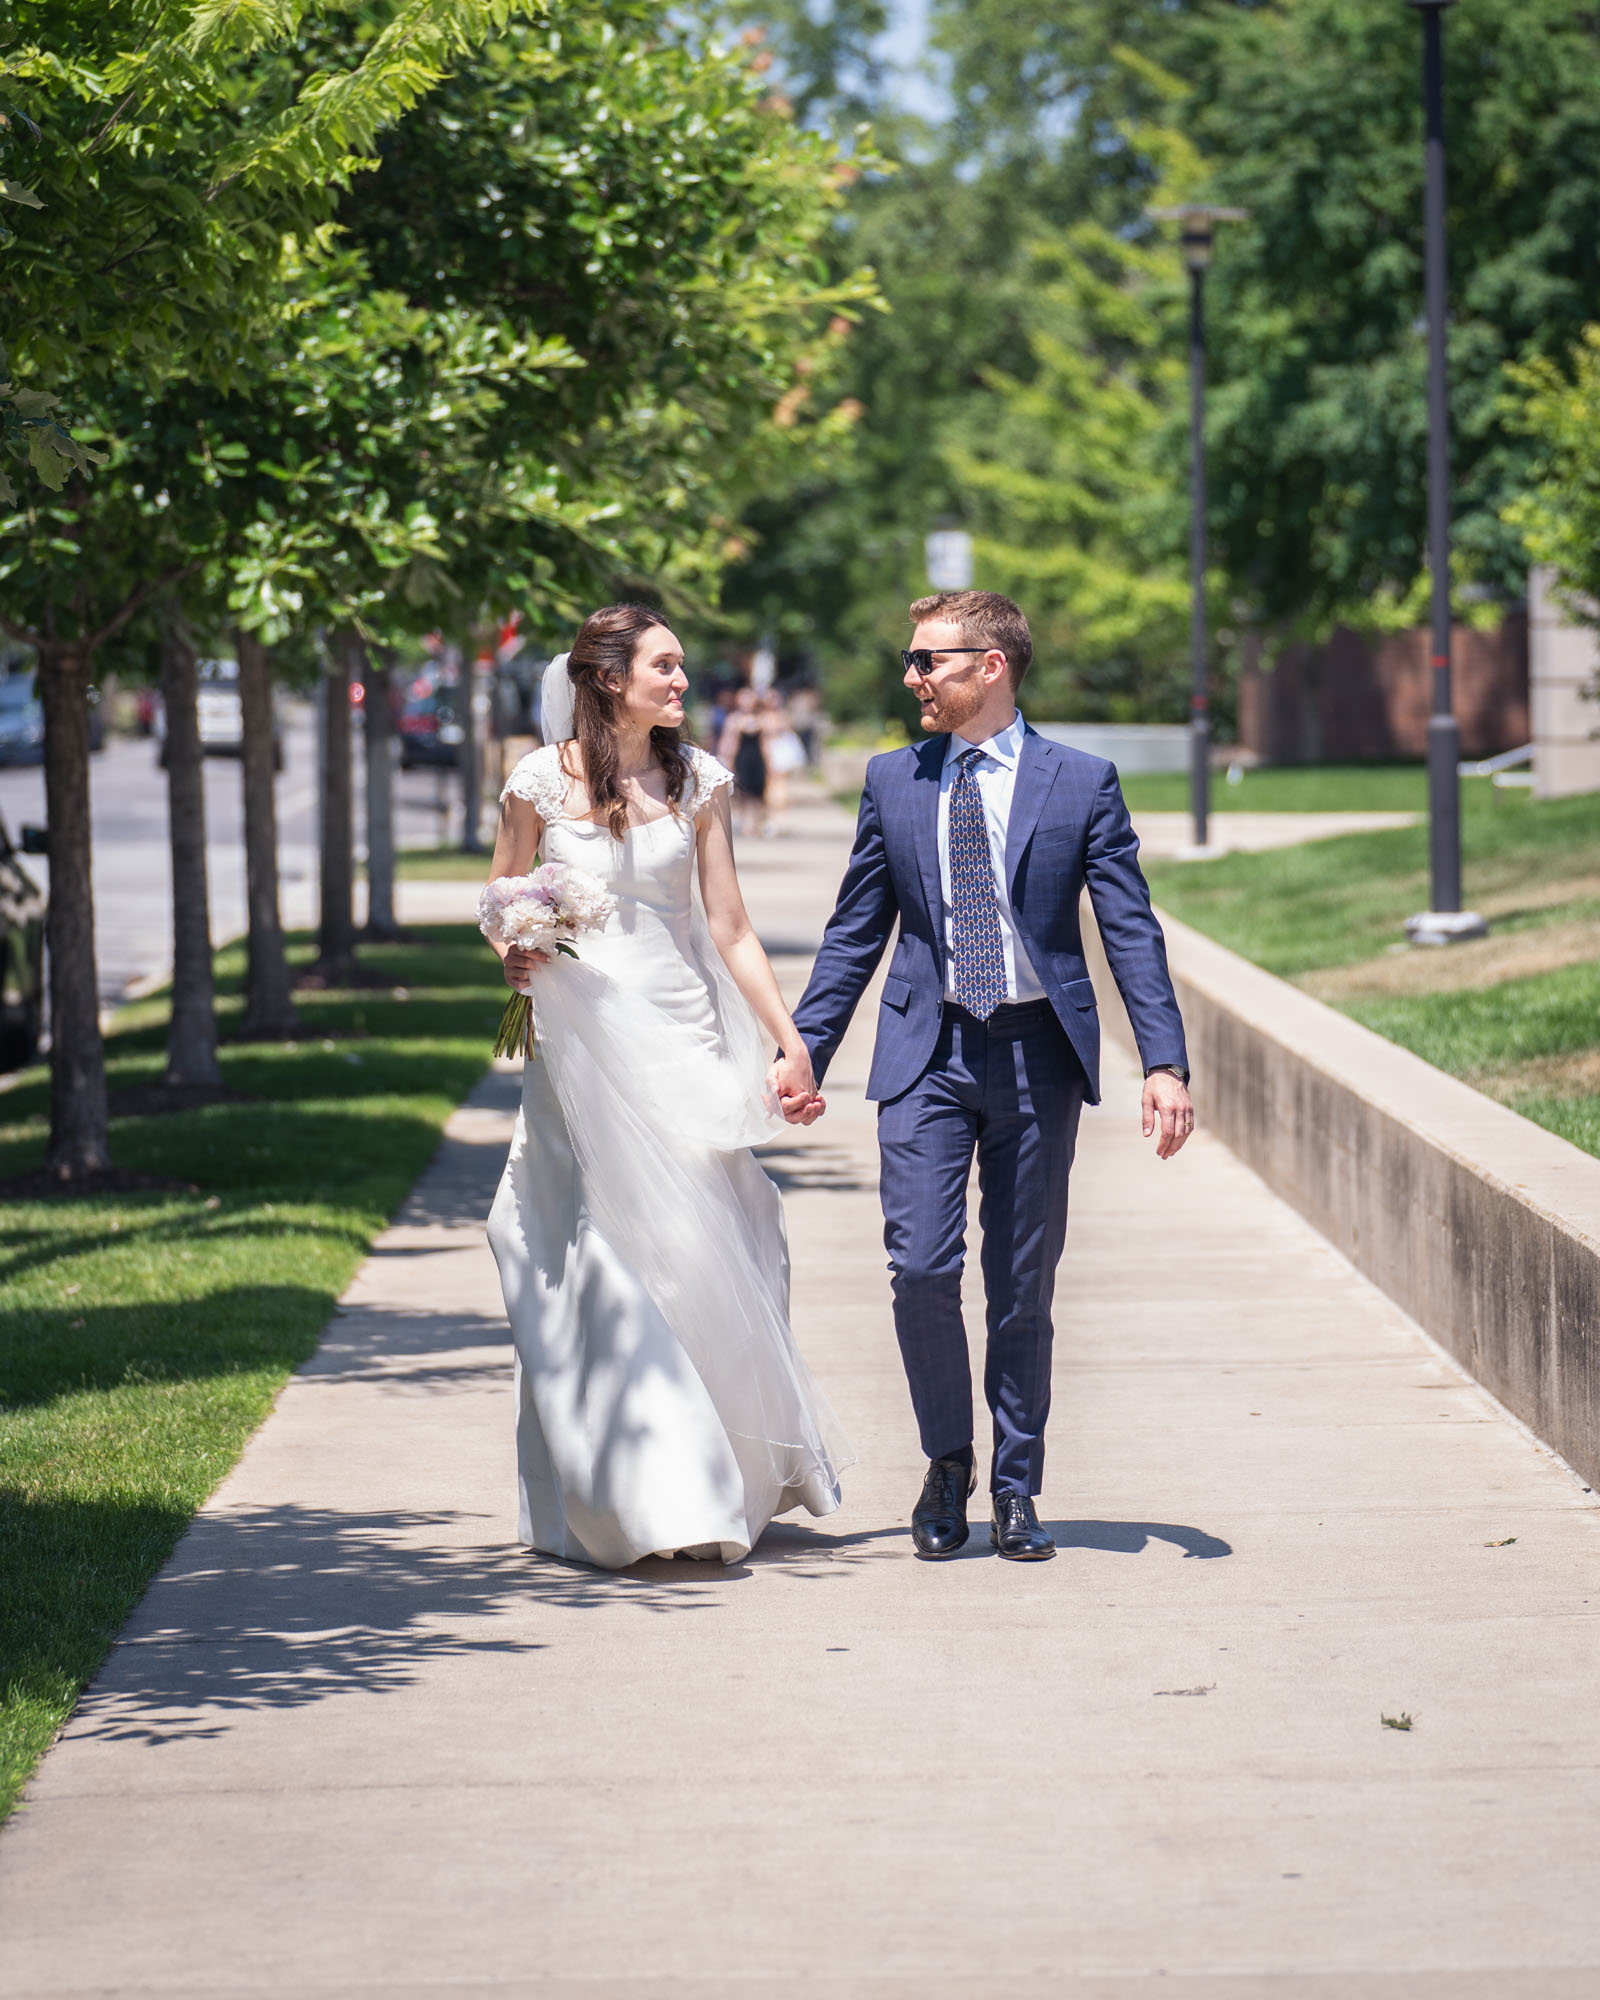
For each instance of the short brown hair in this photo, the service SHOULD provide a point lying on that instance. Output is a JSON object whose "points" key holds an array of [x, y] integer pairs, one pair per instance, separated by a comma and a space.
{"points": [[986, 618]]}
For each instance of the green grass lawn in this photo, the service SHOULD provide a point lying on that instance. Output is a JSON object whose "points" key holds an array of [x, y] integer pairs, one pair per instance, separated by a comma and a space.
{"points": [[1531, 1039], [441, 864], [1512, 1039], [144, 1336], [1311, 788], [1332, 902]]}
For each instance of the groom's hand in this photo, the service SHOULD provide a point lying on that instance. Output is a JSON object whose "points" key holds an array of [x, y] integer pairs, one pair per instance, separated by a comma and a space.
{"points": [[1166, 1104]]}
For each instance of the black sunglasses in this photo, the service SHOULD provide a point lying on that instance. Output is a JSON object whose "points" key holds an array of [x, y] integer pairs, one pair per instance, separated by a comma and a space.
{"points": [[920, 660]]}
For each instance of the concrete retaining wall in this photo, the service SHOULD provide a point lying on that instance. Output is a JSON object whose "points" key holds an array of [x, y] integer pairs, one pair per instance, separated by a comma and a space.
{"points": [[1483, 1227]]}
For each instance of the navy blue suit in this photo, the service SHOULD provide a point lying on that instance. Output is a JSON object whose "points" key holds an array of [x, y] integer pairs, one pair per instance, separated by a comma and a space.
{"points": [[1010, 1089]]}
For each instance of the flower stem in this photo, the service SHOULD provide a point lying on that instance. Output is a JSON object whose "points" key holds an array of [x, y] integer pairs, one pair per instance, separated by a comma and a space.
{"points": [[516, 1028]]}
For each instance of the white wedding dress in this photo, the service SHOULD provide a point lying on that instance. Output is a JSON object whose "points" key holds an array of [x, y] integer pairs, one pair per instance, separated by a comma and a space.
{"points": [[662, 1405]]}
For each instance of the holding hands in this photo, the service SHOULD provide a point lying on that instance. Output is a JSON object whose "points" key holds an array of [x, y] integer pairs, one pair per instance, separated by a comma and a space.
{"points": [[795, 1086]]}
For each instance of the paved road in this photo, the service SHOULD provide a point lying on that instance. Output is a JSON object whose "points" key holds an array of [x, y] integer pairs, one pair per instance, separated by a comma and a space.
{"points": [[132, 874], [356, 1743]]}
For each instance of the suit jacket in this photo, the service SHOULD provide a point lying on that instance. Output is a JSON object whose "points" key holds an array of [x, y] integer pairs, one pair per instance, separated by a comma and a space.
{"points": [[1068, 828]]}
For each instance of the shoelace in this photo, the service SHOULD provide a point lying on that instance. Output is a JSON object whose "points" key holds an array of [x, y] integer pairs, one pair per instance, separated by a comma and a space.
{"points": [[945, 1484]]}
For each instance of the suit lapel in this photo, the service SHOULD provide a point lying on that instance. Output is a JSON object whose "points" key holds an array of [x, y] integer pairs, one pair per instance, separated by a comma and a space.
{"points": [[1036, 773], [925, 829]]}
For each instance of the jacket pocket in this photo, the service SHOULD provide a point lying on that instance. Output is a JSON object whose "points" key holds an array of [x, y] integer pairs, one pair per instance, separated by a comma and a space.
{"points": [[897, 993], [1080, 993]]}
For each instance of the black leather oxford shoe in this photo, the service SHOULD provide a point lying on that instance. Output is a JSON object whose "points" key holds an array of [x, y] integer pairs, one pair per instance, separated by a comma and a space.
{"points": [[1015, 1530], [939, 1519]]}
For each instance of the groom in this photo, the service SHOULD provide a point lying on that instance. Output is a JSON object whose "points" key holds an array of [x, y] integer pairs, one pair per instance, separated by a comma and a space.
{"points": [[977, 844]]}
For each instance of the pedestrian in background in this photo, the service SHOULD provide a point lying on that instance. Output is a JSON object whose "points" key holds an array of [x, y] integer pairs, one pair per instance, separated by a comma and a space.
{"points": [[786, 754], [743, 748], [805, 719]]}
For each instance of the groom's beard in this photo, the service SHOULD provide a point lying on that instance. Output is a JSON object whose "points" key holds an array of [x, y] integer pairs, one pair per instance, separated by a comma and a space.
{"points": [[950, 707]]}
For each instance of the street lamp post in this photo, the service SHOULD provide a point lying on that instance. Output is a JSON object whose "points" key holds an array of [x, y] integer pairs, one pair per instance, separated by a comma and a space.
{"points": [[1197, 223], [1444, 922]]}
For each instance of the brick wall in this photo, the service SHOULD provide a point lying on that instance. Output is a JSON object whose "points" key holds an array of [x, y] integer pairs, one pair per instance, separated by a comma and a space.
{"points": [[1356, 698]]}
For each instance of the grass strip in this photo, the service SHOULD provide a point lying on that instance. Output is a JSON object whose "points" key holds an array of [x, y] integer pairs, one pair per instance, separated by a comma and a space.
{"points": [[1532, 1042], [1336, 902], [144, 1336], [1309, 788], [441, 864]]}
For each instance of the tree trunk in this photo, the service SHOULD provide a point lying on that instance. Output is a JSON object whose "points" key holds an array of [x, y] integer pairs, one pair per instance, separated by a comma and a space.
{"points": [[269, 1012], [378, 724], [471, 756], [79, 1143], [337, 938], [192, 1032]]}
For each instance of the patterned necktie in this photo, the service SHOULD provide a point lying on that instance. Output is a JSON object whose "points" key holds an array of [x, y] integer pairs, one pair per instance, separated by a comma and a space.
{"points": [[978, 954]]}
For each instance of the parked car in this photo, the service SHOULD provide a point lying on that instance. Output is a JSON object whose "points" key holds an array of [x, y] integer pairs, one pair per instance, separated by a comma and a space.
{"points": [[430, 730], [221, 716], [22, 719], [21, 959]]}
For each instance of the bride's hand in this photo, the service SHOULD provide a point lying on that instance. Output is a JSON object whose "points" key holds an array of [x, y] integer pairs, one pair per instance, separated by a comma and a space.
{"points": [[796, 1087], [520, 965]]}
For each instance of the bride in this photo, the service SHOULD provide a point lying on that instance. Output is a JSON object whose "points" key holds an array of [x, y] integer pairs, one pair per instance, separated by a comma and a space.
{"points": [[662, 1406]]}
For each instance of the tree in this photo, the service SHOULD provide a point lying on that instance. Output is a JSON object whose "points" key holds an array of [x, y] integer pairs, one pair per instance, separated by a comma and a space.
{"points": [[1067, 477], [671, 243], [269, 1010], [1558, 513], [1310, 116], [336, 937], [192, 1034], [1062, 115], [169, 156], [979, 206]]}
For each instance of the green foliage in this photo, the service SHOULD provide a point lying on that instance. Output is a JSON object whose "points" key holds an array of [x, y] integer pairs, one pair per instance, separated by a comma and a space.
{"points": [[834, 556], [639, 195], [1310, 117], [171, 157], [1068, 116], [1022, 384], [574, 303], [1558, 513], [1068, 482], [144, 1336]]}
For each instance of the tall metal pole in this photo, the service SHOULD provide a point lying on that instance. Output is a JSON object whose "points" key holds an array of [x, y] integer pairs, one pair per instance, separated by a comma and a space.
{"points": [[1444, 742], [1198, 220], [1199, 695]]}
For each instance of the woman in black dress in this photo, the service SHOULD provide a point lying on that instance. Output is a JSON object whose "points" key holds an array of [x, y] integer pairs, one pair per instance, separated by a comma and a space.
{"points": [[743, 749]]}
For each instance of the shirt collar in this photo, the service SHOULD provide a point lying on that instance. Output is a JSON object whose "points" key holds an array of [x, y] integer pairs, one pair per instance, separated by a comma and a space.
{"points": [[1005, 747]]}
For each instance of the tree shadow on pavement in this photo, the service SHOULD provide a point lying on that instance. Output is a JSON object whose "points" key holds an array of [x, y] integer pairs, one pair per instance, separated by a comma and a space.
{"points": [[285, 1606], [1130, 1538], [815, 1168], [282, 1607]]}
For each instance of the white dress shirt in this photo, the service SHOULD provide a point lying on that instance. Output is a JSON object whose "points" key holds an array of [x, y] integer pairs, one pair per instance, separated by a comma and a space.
{"points": [[996, 773]]}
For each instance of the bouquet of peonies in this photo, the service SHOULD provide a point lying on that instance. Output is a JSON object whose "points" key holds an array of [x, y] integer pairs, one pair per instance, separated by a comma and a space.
{"points": [[540, 912]]}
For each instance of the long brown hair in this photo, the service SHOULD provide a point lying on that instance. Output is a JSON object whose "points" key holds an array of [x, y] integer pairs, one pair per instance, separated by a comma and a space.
{"points": [[603, 651]]}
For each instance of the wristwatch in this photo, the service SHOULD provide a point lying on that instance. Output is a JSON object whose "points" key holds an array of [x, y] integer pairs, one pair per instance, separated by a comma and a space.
{"points": [[1171, 1069]]}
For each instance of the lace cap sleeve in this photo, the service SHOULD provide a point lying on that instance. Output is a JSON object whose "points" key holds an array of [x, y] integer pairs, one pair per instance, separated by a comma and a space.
{"points": [[709, 777], [540, 780]]}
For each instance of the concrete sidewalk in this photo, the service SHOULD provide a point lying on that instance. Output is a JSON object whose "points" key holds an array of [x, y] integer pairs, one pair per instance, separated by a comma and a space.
{"points": [[356, 1743]]}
